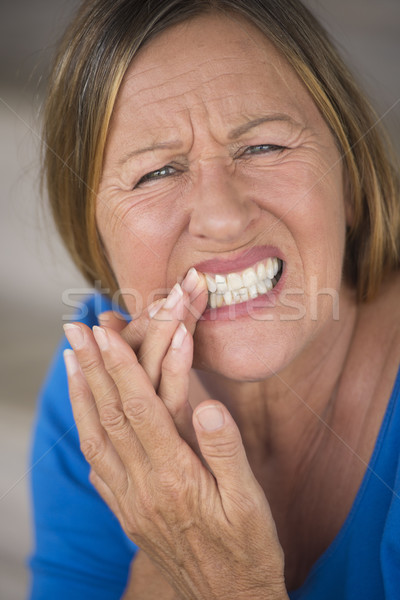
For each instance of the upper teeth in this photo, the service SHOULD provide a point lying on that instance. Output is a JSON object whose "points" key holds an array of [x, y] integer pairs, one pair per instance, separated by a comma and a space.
{"points": [[239, 287]]}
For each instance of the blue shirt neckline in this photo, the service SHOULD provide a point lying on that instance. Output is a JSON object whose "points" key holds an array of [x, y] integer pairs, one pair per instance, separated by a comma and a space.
{"points": [[334, 546]]}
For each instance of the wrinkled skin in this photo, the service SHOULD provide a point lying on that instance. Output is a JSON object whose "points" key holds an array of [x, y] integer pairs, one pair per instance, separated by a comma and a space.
{"points": [[182, 485]]}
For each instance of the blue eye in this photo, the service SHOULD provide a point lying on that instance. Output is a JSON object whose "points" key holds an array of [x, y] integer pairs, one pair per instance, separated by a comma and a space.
{"points": [[157, 174], [263, 149]]}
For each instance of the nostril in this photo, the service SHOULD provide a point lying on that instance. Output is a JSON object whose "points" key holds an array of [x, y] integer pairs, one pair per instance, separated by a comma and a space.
{"points": [[222, 219]]}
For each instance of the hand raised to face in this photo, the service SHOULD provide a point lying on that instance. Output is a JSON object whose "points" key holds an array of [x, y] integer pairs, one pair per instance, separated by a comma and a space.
{"points": [[179, 483]]}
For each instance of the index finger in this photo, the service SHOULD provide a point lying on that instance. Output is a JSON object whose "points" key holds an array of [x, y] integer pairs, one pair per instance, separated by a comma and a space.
{"points": [[134, 331], [145, 411]]}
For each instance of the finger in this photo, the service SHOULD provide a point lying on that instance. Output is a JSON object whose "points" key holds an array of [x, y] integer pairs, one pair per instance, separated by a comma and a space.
{"points": [[173, 388], [106, 493], [95, 444], [134, 333], [161, 329], [198, 296], [222, 448], [183, 304], [174, 384], [147, 415], [105, 393], [112, 319], [194, 284]]}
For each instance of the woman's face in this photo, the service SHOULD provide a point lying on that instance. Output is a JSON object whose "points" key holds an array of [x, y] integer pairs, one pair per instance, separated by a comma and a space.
{"points": [[218, 158]]}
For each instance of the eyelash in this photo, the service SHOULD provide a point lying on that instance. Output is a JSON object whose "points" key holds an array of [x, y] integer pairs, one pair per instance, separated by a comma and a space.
{"points": [[250, 149]]}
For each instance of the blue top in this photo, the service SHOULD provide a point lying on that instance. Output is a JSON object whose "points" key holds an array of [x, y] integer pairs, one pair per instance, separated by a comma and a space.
{"points": [[81, 551]]}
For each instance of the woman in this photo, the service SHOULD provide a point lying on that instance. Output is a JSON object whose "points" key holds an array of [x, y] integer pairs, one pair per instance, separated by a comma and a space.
{"points": [[215, 167]]}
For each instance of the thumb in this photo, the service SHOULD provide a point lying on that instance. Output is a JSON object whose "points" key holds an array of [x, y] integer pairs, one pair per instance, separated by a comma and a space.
{"points": [[222, 448]]}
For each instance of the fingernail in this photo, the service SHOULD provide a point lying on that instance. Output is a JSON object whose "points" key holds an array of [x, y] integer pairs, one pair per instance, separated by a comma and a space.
{"points": [[191, 280], [101, 337], [154, 307], [179, 336], [210, 417], [74, 335], [71, 362], [103, 317], [174, 296]]}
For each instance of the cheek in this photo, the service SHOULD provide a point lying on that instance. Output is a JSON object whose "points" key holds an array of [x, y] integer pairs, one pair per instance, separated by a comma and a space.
{"points": [[139, 241], [307, 200], [307, 197]]}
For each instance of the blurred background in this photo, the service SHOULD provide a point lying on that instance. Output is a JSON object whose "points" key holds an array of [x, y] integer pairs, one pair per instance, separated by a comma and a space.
{"points": [[35, 271]]}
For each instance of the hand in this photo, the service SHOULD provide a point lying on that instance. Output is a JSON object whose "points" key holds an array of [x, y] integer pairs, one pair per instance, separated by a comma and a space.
{"points": [[146, 581], [151, 354], [208, 528]]}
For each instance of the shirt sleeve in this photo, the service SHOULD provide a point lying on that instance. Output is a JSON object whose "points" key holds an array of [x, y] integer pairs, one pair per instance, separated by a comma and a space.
{"points": [[80, 550]]}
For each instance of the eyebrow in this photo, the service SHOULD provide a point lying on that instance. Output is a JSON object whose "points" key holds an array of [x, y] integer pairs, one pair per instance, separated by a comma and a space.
{"points": [[234, 134], [172, 145], [242, 129]]}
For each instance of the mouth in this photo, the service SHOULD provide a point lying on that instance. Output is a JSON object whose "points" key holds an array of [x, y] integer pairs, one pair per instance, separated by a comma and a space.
{"points": [[236, 287]]}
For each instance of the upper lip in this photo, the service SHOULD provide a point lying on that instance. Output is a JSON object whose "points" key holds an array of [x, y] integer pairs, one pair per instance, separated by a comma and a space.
{"points": [[246, 258]]}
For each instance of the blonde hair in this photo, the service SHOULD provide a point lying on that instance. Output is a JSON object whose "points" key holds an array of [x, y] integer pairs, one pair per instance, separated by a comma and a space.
{"points": [[93, 57]]}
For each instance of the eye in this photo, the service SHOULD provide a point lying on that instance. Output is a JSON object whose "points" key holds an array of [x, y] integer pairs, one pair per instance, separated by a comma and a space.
{"points": [[263, 149], [157, 174]]}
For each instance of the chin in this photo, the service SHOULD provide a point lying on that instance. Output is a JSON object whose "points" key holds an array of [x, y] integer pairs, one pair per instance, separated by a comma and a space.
{"points": [[243, 361]]}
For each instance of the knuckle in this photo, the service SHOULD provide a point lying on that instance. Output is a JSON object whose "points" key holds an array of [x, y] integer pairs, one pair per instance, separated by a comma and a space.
{"points": [[119, 365], [225, 448], [131, 526], [137, 409], [92, 449], [112, 419], [175, 486], [79, 392], [115, 367], [90, 365], [169, 483]]}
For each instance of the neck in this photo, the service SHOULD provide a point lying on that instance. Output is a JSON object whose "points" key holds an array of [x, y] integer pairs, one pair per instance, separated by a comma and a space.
{"points": [[287, 414]]}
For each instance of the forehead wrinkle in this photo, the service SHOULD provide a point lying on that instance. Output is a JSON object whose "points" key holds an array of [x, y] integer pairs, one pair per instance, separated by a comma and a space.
{"points": [[202, 93], [258, 109], [186, 128], [194, 89], [130, 76], [161, 85]]}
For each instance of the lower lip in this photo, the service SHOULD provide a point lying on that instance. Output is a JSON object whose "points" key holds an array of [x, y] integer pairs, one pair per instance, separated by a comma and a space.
{"points": [[245, 309]]}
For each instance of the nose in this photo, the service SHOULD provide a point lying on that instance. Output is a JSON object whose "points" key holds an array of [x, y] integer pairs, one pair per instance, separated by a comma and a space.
{"points": [[221, 209]]}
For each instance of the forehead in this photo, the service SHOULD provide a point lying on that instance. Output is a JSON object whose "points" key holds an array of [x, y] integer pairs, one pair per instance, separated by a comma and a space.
{"points": [[217, 68]]}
